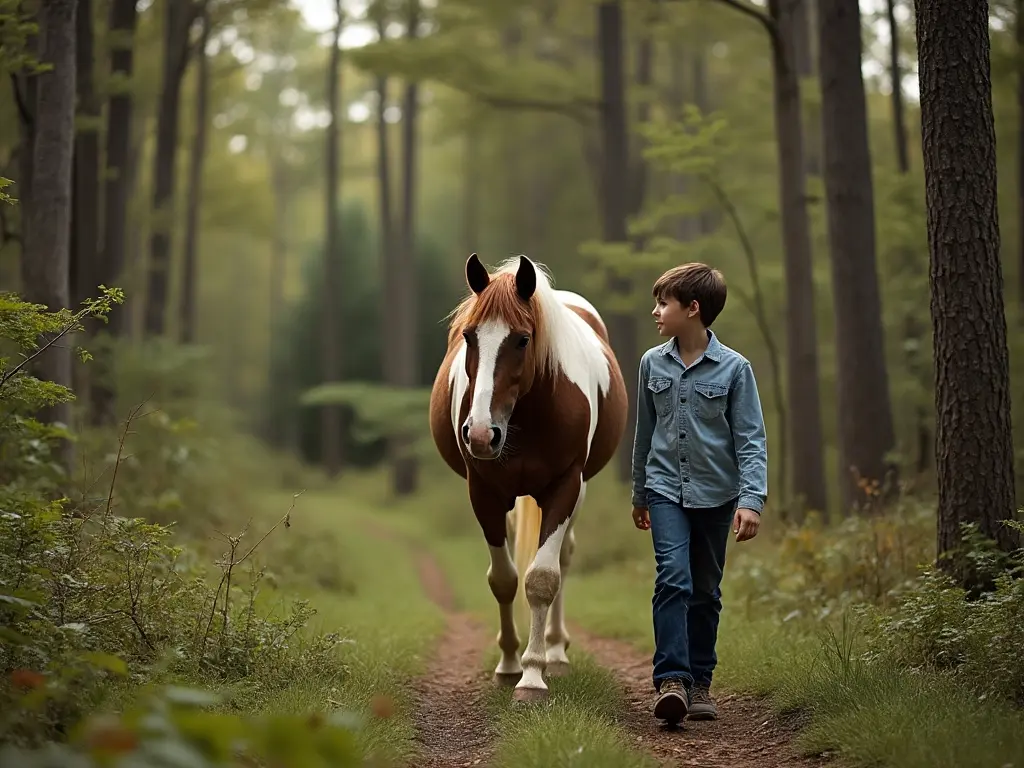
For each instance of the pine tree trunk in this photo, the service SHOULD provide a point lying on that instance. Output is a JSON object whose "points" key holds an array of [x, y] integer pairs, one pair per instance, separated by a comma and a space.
{"points": [[866, 433], [974, 444], [117, 185], [187, 309], [46, 261], [803, 397], [331, 425]]}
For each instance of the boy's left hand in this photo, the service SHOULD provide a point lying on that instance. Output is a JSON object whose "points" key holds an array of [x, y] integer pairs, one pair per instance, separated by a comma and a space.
{"points": [[745, 524]]}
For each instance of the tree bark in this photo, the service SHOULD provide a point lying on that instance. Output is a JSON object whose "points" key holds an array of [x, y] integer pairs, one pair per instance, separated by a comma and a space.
{"points": [[405, 465], [178, 19], [866, 432], [1020, 158], [615, 183], [974, 444], [331, 426], [110, 266], [85, 199], [187, 309], [46, 262], [804, 399]]}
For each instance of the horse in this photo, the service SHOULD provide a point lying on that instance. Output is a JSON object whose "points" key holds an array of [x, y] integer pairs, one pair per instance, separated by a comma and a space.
{"points": [[527, 406]]}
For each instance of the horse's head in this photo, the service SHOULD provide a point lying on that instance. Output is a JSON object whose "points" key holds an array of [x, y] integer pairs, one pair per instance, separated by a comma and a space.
{"points": [[500, 327]]}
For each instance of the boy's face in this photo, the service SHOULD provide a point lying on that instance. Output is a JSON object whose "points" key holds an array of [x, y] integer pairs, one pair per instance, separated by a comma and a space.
{"points": [[672, 318]]}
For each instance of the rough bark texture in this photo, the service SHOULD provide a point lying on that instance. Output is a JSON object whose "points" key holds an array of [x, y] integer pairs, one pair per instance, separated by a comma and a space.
{"points": [[178, 20], [330, 433], [187, 309], [110, 264], [866, 432], [974, 446], [615, 196], [46, 260], [803, 397]]}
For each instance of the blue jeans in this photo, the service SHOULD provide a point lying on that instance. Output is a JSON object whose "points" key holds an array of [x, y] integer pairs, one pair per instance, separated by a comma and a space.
{"points": [[689, 550]]}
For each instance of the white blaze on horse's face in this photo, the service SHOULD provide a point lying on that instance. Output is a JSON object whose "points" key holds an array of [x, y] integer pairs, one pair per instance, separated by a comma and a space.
{"points": [[484, 431]]}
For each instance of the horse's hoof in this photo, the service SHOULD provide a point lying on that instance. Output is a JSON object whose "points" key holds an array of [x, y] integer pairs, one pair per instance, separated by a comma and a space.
{"points": [[507, 678], [530, 695], [556, 668]]}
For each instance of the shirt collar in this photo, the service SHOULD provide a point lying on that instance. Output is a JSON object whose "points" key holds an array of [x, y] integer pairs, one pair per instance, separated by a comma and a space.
{"points": [[713, 352]]}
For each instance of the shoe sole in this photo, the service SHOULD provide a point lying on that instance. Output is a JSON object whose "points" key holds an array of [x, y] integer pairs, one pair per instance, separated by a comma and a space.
{"points": [[702, 715], [671, 708]]}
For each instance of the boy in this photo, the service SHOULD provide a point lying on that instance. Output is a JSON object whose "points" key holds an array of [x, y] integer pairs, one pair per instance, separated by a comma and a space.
{"points": [[699, 466]]}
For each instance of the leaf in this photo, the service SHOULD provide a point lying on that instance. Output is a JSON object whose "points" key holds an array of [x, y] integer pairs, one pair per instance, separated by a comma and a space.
{"points": [[106, 661]]}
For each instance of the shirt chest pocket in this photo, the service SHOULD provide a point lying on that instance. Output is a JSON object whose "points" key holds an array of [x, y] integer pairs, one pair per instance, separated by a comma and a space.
{"points": [[711, 399], [661, 393]]}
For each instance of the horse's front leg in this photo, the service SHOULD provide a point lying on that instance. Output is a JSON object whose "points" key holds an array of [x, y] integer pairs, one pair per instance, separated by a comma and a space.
{"points": [[543, 579], [501, 577], [556, 636]]}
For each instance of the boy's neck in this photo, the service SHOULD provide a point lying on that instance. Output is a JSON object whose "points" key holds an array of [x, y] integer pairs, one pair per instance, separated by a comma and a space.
{"points": [[693, 343]]}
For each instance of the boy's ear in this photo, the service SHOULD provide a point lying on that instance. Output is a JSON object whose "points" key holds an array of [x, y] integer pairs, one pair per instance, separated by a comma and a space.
{"points": [[694, 309]]}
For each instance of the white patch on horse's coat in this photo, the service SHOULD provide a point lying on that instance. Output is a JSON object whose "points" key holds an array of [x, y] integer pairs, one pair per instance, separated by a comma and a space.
{"points": [[547, 559], [570, 344]]}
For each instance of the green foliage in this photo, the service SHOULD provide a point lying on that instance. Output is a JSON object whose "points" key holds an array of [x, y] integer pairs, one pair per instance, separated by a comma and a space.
{"points": [[379, 410]]}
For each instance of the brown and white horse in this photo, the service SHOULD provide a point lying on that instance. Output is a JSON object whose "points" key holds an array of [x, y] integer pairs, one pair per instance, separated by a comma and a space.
{"points": [[528, 405]]}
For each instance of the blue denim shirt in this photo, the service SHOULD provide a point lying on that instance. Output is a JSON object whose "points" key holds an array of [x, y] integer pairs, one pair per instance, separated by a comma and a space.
{"points": [[700, 436]]}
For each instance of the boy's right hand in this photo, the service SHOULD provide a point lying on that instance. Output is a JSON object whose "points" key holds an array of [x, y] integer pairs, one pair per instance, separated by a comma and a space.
{"points": [[641, 518]]}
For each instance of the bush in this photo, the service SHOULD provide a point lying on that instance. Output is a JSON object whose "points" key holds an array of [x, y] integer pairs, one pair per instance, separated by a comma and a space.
{"points": [[95, 601]]}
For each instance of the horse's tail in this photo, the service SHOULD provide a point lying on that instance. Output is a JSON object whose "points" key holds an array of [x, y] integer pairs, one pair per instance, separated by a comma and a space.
{"points": [[527, 538]]}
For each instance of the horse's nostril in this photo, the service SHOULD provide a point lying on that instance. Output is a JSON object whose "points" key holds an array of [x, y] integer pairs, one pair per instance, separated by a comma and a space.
{"points": [[465, 433], [496, 439]]}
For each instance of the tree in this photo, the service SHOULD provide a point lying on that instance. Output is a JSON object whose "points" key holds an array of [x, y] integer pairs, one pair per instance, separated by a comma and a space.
{"points": [[45, 257], [110, 263], [330, 360], [866, 433], [187, 306], [974, 445]]}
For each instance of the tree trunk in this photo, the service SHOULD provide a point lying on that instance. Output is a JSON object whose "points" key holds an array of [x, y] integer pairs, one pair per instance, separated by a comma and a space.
{"points": [[804, 14], [471, 192], [117, 185], [865, 415], [85, 199], [178, 20], [804, 399], [614, 198], [187, 309], [407, 364], [896, 75], [974, 445], [330, 433], [46, 263], [281, 434]]}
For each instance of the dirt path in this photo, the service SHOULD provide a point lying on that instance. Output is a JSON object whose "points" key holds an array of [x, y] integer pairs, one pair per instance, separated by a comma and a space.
{"points": [[747, 733], [453, 729], [451, 719]]}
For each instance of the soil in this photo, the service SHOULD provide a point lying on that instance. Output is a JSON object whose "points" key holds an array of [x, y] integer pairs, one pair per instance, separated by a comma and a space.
{"points": [[454, 730]]}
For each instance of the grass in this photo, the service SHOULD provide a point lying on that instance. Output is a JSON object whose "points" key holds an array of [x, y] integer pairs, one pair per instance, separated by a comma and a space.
{"points": [[366, 588], [870, 714]]}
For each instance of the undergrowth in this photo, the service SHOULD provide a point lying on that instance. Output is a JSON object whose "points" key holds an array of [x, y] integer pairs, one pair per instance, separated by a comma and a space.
{"points": [[102, 606]]}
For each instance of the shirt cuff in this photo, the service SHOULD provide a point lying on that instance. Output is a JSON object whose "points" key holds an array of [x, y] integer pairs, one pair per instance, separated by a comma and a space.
{"points": [[749, 501]]}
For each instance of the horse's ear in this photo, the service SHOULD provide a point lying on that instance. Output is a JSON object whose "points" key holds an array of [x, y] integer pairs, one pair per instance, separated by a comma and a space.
{"points": [[476, 274], [526, 279]]}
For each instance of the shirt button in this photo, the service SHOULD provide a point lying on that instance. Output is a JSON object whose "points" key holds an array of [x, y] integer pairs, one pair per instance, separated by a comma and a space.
{"points": [[682, 399], [686, 479]]}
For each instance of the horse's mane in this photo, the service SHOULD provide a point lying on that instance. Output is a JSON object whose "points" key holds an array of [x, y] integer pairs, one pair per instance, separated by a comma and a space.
{"points": [[555, 329]]}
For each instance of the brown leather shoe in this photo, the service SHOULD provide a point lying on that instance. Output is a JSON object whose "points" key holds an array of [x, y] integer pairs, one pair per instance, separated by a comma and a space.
{"points": [[672, 702], [702, 706]]}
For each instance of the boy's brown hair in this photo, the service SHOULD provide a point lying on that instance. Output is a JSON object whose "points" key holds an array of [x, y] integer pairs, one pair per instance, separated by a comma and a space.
{"points": [[694, 282]]}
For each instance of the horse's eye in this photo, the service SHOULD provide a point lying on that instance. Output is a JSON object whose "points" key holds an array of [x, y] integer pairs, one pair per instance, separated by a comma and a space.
{"points": [[523, 341]]}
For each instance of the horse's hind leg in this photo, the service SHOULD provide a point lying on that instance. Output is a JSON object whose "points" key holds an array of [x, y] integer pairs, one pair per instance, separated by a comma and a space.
{"points": [[557, 636]]}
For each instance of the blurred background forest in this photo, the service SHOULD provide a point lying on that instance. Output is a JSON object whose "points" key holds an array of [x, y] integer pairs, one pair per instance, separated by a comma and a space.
{"points": [[286, 192]]}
